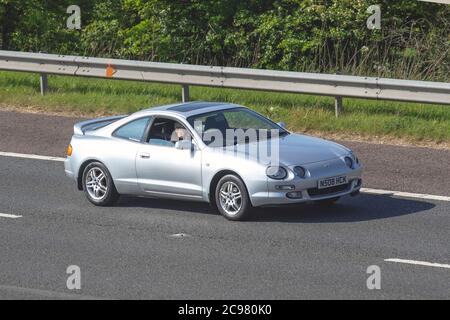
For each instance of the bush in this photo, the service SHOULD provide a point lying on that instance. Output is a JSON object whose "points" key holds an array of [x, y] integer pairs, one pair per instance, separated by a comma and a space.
{"points": [[300, 35]]}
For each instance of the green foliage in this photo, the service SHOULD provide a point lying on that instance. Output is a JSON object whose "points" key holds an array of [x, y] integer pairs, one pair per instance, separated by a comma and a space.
{"points": [[299, 35]]}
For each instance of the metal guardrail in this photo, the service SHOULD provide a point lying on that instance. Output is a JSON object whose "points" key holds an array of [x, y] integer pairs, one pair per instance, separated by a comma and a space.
{"points": [[338, 86]]}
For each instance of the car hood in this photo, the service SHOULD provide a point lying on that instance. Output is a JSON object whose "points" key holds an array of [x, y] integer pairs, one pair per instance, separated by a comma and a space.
{"points": [[294, 149]]}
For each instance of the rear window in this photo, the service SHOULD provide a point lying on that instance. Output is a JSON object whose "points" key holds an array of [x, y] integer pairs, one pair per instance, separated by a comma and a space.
{"points": [[133, 130]]}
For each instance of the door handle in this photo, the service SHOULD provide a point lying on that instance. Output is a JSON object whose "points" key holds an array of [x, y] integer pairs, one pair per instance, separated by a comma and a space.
{"points": [[144, 156]]}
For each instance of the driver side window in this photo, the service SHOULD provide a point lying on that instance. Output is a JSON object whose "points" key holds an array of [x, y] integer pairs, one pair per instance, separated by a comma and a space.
{"points": [[166, 132]]}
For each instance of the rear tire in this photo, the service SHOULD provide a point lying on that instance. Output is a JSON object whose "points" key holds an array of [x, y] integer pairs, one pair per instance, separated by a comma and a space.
{"points": [[232, 199], [98, 185]]}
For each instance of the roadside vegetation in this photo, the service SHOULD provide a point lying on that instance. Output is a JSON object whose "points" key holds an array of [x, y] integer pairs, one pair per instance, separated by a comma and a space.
{"points": [[325, 36], [362, 119]]}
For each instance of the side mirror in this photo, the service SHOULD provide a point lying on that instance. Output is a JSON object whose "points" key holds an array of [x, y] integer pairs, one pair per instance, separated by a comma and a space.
{"points": [[282, 124], [183, 145]]}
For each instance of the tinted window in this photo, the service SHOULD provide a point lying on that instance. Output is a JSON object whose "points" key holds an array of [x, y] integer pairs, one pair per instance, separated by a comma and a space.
{"points": [[133, 130], [191, 106], [166, 132], [238, 118], [222, 122]]}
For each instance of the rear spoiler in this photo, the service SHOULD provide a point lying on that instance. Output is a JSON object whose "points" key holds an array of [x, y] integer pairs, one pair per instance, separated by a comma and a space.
{"points": [[93, 124]]}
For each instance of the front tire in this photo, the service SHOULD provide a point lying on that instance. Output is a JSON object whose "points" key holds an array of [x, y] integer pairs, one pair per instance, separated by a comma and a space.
{"points": [[98, 185], [232, 198]]}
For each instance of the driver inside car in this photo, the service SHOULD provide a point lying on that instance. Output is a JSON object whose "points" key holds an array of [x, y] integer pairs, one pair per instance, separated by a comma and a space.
{"points": [[180, 133]]}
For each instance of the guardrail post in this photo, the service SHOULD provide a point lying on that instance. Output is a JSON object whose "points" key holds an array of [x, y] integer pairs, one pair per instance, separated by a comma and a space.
{"points": [[185, 93], [338, 106], [222, 77], [44, 83]]}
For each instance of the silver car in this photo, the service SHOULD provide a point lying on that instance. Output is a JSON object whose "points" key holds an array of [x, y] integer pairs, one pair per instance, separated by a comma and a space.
{"points": [[220, 153]]}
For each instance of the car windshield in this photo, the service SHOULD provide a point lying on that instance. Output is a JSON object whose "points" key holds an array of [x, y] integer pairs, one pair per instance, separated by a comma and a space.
{"points": [[234, 126]]}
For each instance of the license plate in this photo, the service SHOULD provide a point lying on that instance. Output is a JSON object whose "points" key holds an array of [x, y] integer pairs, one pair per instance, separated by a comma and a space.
{"points": [[332, 182]]}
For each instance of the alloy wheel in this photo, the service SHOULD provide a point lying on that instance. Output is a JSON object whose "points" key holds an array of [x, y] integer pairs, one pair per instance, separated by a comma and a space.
{"points": [[230, 198], [96, 184]]}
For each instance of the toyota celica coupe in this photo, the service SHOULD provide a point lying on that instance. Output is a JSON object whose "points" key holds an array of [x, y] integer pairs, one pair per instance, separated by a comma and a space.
{"points": [[224, 154]]}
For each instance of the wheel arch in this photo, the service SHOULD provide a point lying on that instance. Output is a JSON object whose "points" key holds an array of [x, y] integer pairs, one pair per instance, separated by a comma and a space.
{"points": [[216, 178]]}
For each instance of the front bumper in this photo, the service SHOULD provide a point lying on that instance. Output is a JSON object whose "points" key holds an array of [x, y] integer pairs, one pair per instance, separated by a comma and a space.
{"points": [[281, 197], [307, 189]]}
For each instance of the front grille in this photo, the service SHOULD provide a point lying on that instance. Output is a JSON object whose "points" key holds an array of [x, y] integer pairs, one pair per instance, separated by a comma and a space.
{"points": [[316, 192]]}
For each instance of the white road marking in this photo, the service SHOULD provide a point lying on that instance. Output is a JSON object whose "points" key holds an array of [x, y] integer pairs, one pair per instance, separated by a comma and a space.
{"points": [[11, 216], [364, 190], [179, 235], [420, 263], [30, 293], [405, 194], [30, 156]]}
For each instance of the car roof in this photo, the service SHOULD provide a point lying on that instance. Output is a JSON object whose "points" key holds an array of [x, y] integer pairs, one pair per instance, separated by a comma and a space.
{"points": [[190, 108]]}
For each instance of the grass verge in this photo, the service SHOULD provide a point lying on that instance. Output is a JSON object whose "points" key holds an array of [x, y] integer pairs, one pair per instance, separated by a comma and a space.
{"points": [[362, 119]]}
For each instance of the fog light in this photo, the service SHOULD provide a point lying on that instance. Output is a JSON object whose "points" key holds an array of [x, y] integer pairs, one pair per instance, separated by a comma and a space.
{"points": [[285, 187], [294, 195]]}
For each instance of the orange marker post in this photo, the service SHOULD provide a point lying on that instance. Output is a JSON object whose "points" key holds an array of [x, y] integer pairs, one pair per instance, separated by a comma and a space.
{"points": [[110, 71]]}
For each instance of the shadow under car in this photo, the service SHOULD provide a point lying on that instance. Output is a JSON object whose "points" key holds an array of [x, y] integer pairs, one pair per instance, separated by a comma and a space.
{"points": [[364, 207]]}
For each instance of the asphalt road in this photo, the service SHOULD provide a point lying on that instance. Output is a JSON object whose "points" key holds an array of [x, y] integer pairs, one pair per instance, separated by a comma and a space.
{"points": [[302, 252], [419, 170]]}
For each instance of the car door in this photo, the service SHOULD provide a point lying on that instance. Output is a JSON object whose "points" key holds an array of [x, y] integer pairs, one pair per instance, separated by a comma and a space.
{"points": [[163, 170], [121, 154]]}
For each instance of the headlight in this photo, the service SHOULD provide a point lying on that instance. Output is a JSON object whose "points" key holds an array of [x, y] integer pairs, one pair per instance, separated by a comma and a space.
{"points": [[300, 171], [349, 162], [354, 157], [277, 173]]}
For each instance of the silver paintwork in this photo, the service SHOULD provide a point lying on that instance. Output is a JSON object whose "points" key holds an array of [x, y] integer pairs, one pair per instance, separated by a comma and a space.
{"points": [[179, 173]]}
